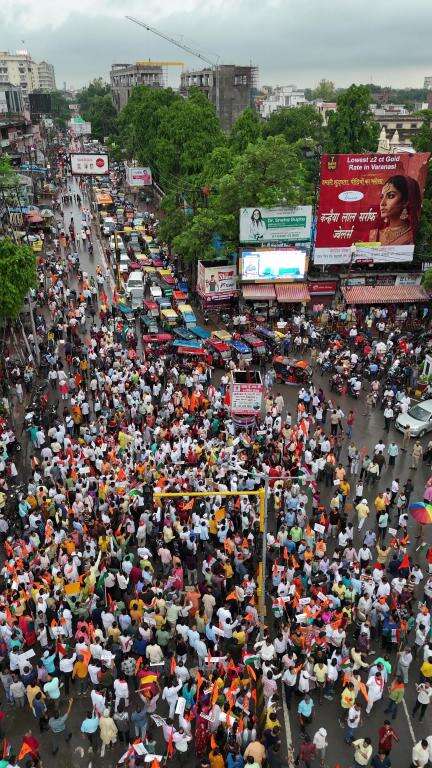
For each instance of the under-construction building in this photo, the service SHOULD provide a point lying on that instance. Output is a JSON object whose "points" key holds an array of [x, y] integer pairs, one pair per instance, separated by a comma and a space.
{"points": [[124, 77], [229, 87]]}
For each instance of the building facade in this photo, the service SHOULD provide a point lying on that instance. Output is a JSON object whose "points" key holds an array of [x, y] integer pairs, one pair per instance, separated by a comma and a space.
{"points": [[46, 76], [428, 82], [19, 69], [11, 99], [229, 87], [282, 96], [124, 77]]}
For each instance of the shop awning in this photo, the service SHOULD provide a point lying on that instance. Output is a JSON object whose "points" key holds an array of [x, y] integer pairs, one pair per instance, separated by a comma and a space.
{"points": [[292, 293], [384, 294], [260, 292]]}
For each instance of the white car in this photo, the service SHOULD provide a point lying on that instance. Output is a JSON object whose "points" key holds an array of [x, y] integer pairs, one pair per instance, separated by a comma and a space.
{"points": [[120, 244], [418, 417], [135, 288], [124, 262]]}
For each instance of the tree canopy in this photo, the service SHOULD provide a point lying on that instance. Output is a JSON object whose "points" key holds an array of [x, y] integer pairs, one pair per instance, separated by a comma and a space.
{"points": [[60, 108], [17, 276], [97, 108], [325, 91], [246, 130], [295, 124], [265, 174], [352, 128]]}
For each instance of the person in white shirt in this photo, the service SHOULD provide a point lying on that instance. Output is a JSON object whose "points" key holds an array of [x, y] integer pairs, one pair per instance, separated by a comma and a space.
{"points": [[420, 754]]}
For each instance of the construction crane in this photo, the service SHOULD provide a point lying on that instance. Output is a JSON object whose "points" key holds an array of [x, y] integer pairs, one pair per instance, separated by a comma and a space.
{"points": [[213, 64]]}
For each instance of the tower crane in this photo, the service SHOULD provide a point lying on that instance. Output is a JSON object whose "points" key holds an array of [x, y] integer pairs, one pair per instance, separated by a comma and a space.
{"points": [[213, 64]]}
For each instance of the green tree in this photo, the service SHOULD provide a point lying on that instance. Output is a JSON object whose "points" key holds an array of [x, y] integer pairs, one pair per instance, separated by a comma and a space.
{"points": [[139, 123], [17, 276], [295, 124], [352, 128], [189, 131], [217, 164], [267, 173], [427, 280], [174, 221], [246, 130], [422, 142], [325, 90], [102, 116], [94, 90]]}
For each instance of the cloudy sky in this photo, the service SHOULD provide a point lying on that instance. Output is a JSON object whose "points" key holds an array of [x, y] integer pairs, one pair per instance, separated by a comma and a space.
{"points": [[291, 42]]}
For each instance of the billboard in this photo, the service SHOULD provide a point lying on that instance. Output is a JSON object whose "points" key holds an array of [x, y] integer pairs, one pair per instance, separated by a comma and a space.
{"points": [[138, 177], [276, 225], [372, 201], [89, 164], [272, 264], [79, 127], [40, 103], [217, 280]]}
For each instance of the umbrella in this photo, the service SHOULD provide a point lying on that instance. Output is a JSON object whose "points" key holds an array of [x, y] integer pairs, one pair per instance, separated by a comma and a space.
{"points": [[421, 512]]}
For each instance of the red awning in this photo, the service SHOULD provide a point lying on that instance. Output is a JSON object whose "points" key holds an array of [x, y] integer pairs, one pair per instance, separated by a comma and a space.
{"points": [[384, 294], [259, 292], [292, 293]]}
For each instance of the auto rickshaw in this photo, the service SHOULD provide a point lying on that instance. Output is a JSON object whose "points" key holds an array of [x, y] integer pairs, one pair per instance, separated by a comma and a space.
{"points": [[220, 352], [257, 345], [290, 371]]}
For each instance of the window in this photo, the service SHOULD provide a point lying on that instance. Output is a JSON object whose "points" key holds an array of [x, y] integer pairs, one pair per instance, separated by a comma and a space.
{"points": [[399, 125], [413, 125]]}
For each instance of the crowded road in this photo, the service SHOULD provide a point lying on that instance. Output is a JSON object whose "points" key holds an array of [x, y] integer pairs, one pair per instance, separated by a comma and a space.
{"points": [[367, 431]]}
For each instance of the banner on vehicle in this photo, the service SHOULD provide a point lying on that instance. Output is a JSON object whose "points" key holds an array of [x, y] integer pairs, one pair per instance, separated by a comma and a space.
{"points": [[276, 225], [138, 177], [370, 201], [218, 280], [89, 164], [246, 399]]}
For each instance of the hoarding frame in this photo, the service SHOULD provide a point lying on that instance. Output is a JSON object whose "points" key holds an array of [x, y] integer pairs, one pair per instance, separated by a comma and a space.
{"points": [[271, 278], [132, 169], [73, 157], [264, 228], [371, 201]]}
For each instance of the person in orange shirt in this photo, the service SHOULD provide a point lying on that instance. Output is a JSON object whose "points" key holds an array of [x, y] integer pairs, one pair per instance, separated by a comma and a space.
{"points": [[80, 672]]}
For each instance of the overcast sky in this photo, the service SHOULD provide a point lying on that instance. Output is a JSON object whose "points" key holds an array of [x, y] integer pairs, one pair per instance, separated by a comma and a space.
{"points": [[298, 42]]}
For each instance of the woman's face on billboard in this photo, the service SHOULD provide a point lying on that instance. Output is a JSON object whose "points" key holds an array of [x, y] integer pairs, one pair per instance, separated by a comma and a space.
{"points": [[391, 204]]}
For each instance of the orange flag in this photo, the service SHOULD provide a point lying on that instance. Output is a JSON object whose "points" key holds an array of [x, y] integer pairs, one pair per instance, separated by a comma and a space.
{"points": [[173, 665], [170, 745], [25, 750], [363, 691], [215, 693]]}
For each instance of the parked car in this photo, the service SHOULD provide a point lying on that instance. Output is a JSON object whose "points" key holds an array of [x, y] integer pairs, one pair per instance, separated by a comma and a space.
{"points": [[418, 417]]}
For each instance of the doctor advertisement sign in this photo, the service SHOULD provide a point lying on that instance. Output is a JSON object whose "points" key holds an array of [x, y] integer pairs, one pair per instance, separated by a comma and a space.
{"points": [[372, 201], [276, 225], [220, 279]]}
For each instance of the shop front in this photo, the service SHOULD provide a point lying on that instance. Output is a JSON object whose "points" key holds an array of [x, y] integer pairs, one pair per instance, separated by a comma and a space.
{"points": [[261, 299], [322, 293], [412, 298]]}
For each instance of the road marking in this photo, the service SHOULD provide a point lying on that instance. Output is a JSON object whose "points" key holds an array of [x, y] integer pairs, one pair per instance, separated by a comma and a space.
{"points": [[290, 746], [411, 729]]}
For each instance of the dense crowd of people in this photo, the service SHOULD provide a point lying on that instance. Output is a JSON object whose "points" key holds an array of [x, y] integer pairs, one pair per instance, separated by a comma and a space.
{"points": [[142, 613]]}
